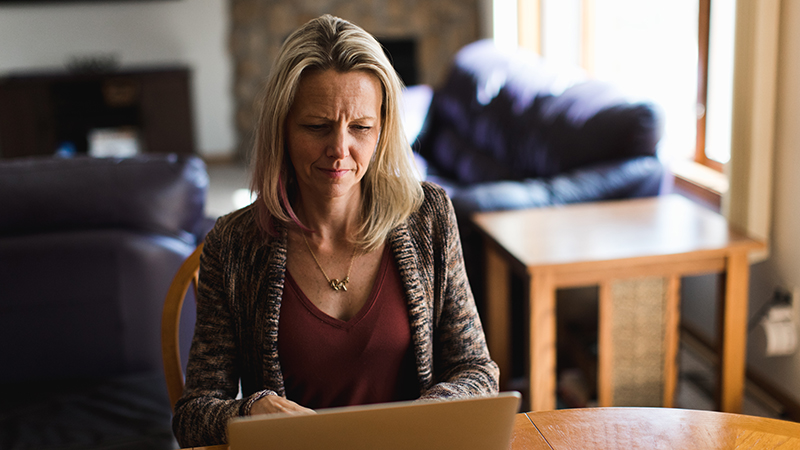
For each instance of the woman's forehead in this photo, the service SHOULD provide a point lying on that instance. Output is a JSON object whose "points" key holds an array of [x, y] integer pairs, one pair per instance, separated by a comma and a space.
{"points": [[330, 91]]}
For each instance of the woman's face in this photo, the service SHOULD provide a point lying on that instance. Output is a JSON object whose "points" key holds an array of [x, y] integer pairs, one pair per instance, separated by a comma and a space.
{"points": [[332, 131]]}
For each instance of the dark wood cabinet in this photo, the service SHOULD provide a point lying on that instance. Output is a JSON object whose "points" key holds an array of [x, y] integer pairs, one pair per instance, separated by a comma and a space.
{"points": [[41, 112]]}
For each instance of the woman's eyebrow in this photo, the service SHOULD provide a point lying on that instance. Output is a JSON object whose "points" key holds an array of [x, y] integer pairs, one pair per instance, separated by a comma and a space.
{"points": [[322, 117]]}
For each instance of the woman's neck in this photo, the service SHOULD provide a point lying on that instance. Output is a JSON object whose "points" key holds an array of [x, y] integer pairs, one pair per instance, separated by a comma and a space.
{"points": [[335, 219]]}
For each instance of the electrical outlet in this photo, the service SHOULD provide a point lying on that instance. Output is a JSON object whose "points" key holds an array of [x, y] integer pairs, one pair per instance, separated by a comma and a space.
{"points": [[780, 313]]}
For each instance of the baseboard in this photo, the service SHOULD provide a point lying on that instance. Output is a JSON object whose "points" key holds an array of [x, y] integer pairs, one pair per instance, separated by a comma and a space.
{"points": [[755, 384]]}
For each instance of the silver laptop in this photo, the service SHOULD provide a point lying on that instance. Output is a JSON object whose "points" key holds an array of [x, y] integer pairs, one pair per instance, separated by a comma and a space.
{"points": [[481, 423]]}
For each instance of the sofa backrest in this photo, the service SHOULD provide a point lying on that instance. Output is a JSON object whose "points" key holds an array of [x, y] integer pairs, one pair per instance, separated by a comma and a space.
{"points": [[510, 115], [163, 194], [88, 248]]}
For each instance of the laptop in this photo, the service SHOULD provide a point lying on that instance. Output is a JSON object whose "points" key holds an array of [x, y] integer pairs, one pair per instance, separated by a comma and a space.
{"points": [[479, 423]]}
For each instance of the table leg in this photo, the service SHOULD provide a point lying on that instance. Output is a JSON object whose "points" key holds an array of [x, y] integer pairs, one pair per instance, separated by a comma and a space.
{"points": [[605, 346], [542, 335], [672, 339], [733, 333], [498, 312]]}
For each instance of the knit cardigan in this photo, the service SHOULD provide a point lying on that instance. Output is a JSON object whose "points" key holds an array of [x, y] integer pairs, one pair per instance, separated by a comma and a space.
{"points": [[238, 306]]}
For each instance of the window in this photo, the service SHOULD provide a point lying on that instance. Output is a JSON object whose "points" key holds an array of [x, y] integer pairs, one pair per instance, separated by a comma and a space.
{"points": [[657, 50], [722, 22]]}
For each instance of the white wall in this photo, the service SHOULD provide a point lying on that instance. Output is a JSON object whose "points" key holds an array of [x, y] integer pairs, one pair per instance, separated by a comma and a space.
{"points": [[783, 267], [190, 32]]}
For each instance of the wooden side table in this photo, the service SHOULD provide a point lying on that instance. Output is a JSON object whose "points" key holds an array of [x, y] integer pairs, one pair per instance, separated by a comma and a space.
{"points": [[596, 244]]}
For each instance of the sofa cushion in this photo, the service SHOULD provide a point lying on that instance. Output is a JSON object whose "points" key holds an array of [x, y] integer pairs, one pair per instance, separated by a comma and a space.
{"points": [[162, 194]]}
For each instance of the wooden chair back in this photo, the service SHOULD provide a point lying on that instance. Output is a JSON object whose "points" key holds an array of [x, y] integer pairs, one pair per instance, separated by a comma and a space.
{"points": [[170, 323]]}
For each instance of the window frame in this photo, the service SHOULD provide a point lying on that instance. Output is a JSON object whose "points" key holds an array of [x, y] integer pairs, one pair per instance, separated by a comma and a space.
{"points": [[703, 46]]}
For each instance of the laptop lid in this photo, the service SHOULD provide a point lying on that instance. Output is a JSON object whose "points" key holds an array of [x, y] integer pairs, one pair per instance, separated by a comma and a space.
{"points": [[480, 423]]}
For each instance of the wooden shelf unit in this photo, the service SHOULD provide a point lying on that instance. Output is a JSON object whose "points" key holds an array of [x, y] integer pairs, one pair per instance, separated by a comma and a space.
{"points": [[41, 111]]}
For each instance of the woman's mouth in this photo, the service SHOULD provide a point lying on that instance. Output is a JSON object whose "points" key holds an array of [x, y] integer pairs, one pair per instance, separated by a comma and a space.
{"points": [[335, 173]]}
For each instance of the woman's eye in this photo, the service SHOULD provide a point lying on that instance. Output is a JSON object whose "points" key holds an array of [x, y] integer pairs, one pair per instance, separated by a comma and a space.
{"points": [[314, 127], [362, 127]]}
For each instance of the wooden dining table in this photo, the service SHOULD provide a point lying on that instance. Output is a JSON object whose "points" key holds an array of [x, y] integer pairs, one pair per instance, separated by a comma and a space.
{"points": [[644, 428], [650, 428]]}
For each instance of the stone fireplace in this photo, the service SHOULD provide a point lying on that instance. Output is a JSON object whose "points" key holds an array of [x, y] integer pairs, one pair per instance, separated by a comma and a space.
{"points": [[431, 31]]}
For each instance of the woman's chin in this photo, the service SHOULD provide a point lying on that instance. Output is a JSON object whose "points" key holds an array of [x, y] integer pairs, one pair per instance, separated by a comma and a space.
{"points": [[333, 191]]}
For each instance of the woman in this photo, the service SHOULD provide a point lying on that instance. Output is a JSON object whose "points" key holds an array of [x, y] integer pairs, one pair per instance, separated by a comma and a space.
{"points": [[344, 282]]}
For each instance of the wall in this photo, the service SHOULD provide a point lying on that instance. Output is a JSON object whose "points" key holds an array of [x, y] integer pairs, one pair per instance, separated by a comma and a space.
{"points": [[783, 266], [191, 32]]}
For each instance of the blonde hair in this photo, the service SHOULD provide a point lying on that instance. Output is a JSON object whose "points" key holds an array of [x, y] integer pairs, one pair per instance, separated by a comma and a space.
{"points": [[391, 189]]}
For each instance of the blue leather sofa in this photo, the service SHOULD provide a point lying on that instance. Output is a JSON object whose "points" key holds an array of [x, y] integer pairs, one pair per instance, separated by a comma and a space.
{"points": [[508, 130], [88, 248]]}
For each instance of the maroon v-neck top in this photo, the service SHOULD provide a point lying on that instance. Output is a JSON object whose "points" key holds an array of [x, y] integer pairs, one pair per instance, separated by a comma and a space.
{"points": [[327, 362]]}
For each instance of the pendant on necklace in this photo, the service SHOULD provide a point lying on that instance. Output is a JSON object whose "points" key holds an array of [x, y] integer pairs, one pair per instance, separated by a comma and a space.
{"points": [[336, 284]]}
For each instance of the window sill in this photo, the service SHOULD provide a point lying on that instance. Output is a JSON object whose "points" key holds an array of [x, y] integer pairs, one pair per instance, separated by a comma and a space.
{"points": [[699, 183]]}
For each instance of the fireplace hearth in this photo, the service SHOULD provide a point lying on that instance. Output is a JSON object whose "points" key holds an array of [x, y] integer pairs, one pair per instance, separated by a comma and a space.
{"points": [[403, 55]]}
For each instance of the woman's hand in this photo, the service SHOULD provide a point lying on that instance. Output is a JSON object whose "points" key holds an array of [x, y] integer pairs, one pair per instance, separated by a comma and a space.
{"points": [[271, 404]]}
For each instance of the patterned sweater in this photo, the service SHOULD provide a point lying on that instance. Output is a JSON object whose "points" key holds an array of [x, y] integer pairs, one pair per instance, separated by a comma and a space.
{"points": [[239, 299]]}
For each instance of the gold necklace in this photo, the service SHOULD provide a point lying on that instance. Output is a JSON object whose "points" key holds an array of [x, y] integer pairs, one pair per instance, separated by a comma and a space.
{"points": [[335, 283]]}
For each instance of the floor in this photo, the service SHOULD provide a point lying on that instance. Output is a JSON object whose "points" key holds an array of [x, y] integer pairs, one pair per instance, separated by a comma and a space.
{"points": [[228, 191], [696, 386]]}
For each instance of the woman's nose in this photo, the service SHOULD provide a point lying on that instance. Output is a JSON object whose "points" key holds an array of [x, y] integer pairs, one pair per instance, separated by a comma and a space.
{"points": [[338, 146]]}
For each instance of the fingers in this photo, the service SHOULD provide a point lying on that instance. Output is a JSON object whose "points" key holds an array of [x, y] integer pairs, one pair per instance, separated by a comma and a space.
{"points": [[273, 404]]}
